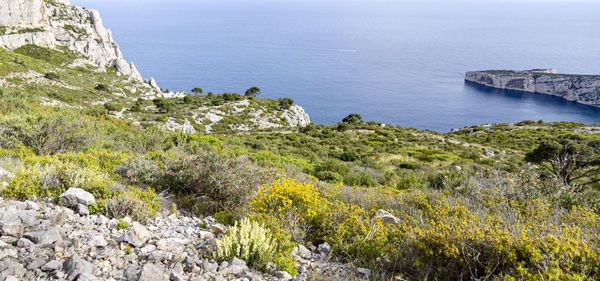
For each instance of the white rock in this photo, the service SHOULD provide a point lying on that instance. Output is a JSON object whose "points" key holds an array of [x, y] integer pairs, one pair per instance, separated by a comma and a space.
{"points": [[75, 265], [44, 237], [282, 275], [32, 205], [136, 235], [205, 235], [152, 272], [324, 248], [76, 198], [8, 253], [304, 252], [172, 244], [364, 272], [52, 266], [5, 173], [97, 241]]}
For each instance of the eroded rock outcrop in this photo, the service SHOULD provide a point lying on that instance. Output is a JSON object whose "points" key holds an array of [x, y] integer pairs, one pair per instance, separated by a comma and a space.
{"points": [[55, 23], [583, 89]]}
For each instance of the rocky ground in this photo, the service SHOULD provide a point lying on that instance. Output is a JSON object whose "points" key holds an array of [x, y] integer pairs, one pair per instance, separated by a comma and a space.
{"points": [[43, 241]]}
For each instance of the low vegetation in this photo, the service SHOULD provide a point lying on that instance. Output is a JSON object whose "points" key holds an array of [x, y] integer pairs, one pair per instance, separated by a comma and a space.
{"points": [[488, 202]]}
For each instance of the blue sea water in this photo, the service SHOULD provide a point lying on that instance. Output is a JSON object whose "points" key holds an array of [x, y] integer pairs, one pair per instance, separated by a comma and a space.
{"points": [[397, 62]]}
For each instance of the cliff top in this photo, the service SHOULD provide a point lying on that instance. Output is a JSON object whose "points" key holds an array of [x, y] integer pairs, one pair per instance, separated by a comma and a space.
{"points": [[552, 72]]}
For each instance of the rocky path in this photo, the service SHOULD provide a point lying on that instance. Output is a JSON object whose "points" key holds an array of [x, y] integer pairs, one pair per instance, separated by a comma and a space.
{"points": [[42, 241]]}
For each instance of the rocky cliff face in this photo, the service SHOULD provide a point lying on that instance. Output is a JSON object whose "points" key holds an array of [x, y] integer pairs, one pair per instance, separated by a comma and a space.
{"points": [[56, 23], [583, 89]]}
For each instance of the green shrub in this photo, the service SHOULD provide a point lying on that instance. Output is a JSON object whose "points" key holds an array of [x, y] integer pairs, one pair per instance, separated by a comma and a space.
{"points": [[25, 185], [136, 107], [45, 54], [208, 182], [163, 105], [329, 176], [409, 166], [353, 118], [525, 123], [332, 166], [113, 107], [255, 244], [52, 76], [45, 133], [448, 179], [286, 103], [134, 203], [410, 180], [96, 111], [122, 224], [349, 156], [253, 91]]}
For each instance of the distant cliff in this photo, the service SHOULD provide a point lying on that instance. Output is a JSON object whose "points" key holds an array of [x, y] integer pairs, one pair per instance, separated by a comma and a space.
{"points": [[56, 23], [583, 89]]}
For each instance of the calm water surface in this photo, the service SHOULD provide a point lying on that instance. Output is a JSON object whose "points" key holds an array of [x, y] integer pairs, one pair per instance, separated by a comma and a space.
{"points": [[391, 61]]}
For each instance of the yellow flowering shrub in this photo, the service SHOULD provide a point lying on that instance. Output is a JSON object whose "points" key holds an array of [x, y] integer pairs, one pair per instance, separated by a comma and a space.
{"points": [[353, 232], [440, 235], [448, 237], [289, 204]]}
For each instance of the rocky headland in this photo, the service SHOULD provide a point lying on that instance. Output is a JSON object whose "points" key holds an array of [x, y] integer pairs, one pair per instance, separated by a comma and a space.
{"points": [[583, 89], [79, 34]]}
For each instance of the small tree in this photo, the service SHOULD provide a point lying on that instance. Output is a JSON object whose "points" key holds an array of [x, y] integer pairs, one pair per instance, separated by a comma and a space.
{"points": [[353, 118], [253, 91], [286, 103], [163, 105], [112, 107], [187, 99], [137, 106], [574, 161], [197, 90]]}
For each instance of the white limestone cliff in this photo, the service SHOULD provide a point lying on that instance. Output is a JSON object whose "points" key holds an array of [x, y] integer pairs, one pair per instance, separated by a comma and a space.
{"points": [[583, 89], [54, 23]]}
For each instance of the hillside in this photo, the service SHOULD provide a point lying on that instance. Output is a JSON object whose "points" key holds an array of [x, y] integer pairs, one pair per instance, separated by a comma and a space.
{"points": [[104, 176], [75, 62]]}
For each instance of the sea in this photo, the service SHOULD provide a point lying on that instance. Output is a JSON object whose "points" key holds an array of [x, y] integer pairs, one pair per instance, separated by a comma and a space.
{"points": [[392, 61]]}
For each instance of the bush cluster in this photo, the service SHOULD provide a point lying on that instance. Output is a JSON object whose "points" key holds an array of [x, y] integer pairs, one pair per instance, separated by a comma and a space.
{"points": [[43, 176], [206, 182]]}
